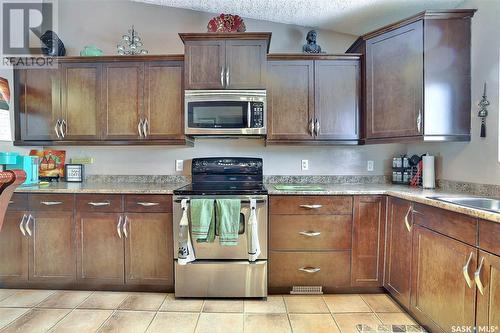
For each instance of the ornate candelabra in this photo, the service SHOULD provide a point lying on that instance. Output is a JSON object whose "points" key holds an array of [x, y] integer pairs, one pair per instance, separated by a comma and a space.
{"points": [[131, 44]]}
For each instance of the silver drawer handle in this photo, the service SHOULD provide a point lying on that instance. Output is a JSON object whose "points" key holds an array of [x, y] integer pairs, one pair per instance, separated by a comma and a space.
{"points": [[310, 233], [11, 202], [51, 203], [148, 204], [99, 204], [310, 270], [311, 206]]}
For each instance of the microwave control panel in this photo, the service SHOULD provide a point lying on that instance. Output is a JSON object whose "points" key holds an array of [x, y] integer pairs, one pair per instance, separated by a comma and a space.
{"points": [[257, 113]]}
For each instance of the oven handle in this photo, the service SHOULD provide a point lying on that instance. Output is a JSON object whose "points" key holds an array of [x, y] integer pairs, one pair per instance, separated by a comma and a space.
{"points": [[249, 114], [242, 201]]}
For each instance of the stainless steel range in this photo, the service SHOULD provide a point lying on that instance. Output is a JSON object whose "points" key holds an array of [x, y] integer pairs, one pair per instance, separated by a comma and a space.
{"points": [[225, 271]]}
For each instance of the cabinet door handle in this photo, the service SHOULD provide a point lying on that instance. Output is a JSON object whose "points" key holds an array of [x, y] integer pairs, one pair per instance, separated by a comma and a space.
{"points": [[21, 225], [27, 225], [56, 128], [477, 277], [99, 204], [227, 76], [139, 128], [316, 128], [64, 128], [465, 271], [311, 206], [310, 233], [311, 127], [310, 270], [118, 226], [51, 203], [148, 204], [125, 233], [145, 127], [419, 121], [407, 223], [222, 76]]}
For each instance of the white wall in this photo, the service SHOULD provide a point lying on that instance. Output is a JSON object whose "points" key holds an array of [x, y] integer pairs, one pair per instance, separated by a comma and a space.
{"points": [[102, 23], [476, 161]]}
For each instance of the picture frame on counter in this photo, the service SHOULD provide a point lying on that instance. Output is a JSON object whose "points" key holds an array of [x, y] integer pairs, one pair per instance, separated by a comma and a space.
{"points": [[74, 173]]}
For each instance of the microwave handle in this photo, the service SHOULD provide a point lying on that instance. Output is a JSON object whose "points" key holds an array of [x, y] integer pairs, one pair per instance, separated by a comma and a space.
{"points": [[249, 115]]}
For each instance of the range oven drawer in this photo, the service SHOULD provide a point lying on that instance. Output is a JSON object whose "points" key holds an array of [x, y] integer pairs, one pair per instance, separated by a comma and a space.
{"points": [[206, 278]]}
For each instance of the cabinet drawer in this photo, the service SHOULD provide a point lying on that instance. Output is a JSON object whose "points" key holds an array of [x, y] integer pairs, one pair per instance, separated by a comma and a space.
{"points": [[315, 232], [489, 236], [311, 205], [105, 203], [455, 225], [51, 202], [327, 269], [148, 203], [19, 201]]}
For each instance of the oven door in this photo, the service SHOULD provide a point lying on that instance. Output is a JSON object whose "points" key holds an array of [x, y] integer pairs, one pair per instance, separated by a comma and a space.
{"points": [[215, 251], [223, 112]]}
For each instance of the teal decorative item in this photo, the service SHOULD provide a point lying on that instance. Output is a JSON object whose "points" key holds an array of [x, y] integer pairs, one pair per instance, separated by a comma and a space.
{"points": [[91, 51]]}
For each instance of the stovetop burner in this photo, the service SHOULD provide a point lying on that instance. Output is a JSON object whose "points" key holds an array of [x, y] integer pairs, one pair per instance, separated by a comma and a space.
{"points": [[225, 176]]}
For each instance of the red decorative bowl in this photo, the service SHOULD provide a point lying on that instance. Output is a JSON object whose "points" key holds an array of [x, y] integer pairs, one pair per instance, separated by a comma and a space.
{"points": [[226, 23]]}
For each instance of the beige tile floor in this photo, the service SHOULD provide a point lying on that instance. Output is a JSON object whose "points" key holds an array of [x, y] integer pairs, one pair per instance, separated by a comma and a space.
{"points": [[39, 311]]}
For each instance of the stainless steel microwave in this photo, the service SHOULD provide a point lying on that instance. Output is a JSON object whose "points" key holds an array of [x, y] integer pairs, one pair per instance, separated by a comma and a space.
{"points": [[225, 112]]}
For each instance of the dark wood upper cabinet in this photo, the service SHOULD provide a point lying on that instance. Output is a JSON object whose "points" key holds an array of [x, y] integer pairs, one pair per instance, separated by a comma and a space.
{"points": [[417, 78], [441, 297], [290, 100], [225, 60], [313, 99], [80, 102], [337, 89], [399, 250], [163, 100], [123, 98], [37, 98], [368, 235], [246, 64], [205, 65]]}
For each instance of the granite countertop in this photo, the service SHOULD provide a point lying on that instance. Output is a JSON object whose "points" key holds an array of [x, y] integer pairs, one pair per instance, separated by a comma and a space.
{"points": [[103, 187], [399, 191]]}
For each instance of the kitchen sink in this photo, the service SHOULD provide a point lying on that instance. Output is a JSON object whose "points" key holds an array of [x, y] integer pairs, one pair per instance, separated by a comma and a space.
{"points": [[302, 187], [489, 204]]}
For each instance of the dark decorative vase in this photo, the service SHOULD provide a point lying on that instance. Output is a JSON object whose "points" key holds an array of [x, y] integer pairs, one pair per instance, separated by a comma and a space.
{"points": [[52, 45]]}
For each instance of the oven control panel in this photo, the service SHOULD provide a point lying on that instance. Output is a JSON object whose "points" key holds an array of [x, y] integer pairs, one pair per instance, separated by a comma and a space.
{"points": [[257, 114]]}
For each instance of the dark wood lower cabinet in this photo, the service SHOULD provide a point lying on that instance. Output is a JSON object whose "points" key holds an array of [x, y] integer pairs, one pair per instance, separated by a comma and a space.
{"points": [[13, 249], [368, 235], [398, 250], [52, 247], [488, 284], [100, 255], [148, 249], [441, 297]]}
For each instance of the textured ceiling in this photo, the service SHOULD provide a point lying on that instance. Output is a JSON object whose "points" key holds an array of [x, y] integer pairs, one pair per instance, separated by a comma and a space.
{"points": [[349, 16]]}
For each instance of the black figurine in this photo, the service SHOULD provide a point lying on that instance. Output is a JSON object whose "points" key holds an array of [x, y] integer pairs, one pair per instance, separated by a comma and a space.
{"points": [[311, 46], [52, 45]]}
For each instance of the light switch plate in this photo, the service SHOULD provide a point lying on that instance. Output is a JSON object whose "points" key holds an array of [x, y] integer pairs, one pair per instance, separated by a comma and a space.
{"points": [[179, 165], [304, 165], [369, 165]]}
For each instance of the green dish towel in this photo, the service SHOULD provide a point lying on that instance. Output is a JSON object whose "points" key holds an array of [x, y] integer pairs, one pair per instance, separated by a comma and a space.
{"points": [[202, 220], [228, 220]]}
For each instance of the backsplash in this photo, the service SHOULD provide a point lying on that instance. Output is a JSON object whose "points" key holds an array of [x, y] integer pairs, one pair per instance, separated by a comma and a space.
{"points": [[490, 190]]}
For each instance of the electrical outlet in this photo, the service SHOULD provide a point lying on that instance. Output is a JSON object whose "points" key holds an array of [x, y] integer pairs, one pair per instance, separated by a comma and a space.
{"points": [[179, 165], [369, 166], [304, 164]]}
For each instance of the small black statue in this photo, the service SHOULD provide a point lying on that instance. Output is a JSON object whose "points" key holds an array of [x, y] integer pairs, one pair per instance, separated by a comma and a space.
{"points": [[52, 45], [311, 46]]}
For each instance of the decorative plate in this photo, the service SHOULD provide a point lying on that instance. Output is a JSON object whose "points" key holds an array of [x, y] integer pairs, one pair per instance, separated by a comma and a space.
{"points": [[226, 23]]}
